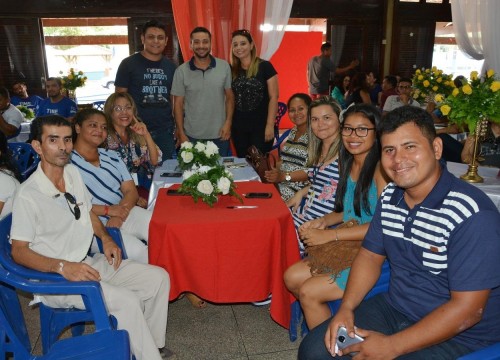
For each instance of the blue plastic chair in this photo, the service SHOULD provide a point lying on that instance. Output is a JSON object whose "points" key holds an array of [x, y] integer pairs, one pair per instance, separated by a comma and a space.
{"points": [[382, 285], [52, 320], [26, 158], [282, 108], [99, 105], [277, 143], [104, 343]]}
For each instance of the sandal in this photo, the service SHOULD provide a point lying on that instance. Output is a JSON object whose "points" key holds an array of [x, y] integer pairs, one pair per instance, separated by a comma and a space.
{"points": [[196, 301]]}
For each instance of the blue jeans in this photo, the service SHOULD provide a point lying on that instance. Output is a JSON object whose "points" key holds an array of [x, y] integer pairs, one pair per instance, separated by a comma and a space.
{"points": [[377, 315], [223, 145], [164, 138]]}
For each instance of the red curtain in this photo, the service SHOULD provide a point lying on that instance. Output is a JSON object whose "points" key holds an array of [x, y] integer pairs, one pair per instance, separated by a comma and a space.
{"points": [[221, 17]]}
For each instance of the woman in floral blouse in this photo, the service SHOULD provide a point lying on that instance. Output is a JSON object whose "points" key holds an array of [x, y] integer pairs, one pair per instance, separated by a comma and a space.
{"points": [[129, 136]]}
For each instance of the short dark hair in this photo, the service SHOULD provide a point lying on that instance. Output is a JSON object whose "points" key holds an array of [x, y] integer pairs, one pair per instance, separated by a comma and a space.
{"points": [[326, 46], [202, 30], [19, 82], [153, 24], [408, 114], [4, 93], [391, 79], [36, 129], [304, 97], [84, 114], [56, 79], [459, 81], [405, 79]]}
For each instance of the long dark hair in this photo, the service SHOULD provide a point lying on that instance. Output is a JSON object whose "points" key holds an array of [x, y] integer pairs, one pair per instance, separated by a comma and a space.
{"points": [[365, 179], [7, 163]]}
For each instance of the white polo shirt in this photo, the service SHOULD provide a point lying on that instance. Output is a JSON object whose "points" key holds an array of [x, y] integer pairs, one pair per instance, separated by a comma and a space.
{"points": [[42, 216]]}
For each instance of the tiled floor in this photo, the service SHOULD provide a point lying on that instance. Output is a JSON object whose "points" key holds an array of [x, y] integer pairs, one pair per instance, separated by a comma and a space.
{"points": [[219, 332]]}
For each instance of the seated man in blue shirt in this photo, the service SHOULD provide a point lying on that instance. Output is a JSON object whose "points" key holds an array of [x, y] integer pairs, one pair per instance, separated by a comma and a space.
{"points": [[56, 103], [21, 97], [441, 237]]}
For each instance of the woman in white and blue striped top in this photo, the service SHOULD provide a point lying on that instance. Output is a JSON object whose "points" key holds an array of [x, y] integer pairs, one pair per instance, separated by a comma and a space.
{"points": [[323, 172]]}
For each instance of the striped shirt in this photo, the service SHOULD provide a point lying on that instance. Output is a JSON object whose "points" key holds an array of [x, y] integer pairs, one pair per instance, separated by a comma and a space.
{"points": [[449, 242], [321, 197], [103, 181]]}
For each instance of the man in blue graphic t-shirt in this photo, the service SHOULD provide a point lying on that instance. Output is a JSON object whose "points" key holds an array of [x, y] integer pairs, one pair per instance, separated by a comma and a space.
{"points": [[21, 97], [56, 103], [147, 77]]}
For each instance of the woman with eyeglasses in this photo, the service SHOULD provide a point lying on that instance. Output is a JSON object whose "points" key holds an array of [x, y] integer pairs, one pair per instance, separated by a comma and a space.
{"points": [[10, 177], [255, 88], [130, 137], [113, 191], [359, 187]]}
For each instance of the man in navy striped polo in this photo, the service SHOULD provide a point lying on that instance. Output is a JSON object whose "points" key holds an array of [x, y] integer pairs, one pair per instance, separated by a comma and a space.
{"points": [[442, 239]]}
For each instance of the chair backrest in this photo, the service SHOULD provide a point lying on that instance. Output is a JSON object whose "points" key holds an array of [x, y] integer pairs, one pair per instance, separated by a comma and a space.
{"points": [[282, 108], [26, 158], [11, 317], [99, 105], [14, 335]]}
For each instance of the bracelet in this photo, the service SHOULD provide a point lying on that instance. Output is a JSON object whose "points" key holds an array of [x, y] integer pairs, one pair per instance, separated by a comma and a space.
{"points": [[61, 267], [106, 210], [336, 235]]}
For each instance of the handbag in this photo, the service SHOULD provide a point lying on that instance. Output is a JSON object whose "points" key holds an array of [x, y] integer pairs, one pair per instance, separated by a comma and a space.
{"points": [[260, 162], [334, 256]]}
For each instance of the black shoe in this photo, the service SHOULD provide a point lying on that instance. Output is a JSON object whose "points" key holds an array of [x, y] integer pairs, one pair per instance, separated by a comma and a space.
{"points": [[166, 353]]}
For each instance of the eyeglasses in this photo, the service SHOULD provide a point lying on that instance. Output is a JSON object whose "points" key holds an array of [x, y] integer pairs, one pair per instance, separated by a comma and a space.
{"points": [[119, 108], [404, 87], [360, 131], [70, 199]]}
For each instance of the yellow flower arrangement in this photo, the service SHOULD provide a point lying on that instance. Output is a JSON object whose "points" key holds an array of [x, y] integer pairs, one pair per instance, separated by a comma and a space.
{"points": [[73, 80], [430, 82], [477, 98]]}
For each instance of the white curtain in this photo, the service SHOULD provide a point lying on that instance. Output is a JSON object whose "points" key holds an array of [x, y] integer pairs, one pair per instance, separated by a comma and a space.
{"points": [[477, 28], [277, 15]]}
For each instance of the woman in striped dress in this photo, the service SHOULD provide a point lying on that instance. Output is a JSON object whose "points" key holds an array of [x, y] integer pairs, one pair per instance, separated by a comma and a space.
{"points": [[323, 172]]}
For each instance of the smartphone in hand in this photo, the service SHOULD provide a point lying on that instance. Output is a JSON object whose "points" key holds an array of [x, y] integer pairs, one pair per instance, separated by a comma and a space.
{"points": [[344, 340]]}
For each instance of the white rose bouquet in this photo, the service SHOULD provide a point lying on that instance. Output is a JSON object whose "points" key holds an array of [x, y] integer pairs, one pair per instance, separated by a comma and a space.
{"points": [[201, 154], [204, 177], [206, 183]]}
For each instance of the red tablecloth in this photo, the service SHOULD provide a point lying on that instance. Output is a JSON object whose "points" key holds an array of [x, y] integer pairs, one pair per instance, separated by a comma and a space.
{"points": [[226, 255]]}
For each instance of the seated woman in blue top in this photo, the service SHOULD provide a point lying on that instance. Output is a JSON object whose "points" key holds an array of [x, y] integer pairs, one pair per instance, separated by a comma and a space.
{"points": [[323, 172], [114, 195], [361, 182]]}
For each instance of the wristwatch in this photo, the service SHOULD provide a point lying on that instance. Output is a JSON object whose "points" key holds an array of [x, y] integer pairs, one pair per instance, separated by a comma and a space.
{"points": [[288, 177]]}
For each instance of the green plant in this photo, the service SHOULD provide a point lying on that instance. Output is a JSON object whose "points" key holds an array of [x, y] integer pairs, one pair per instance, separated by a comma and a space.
{"points": [[201, 154], [477, 98], [430, 82], [204, 177], [27, 112], [206, 183], [73, 80]]}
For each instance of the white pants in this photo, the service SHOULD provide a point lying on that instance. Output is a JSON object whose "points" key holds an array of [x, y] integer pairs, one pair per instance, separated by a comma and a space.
{"points": [[137, 295], [135, 230]]}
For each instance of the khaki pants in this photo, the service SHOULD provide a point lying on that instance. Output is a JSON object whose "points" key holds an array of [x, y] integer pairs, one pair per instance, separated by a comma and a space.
{"points": [[137, 295]]}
